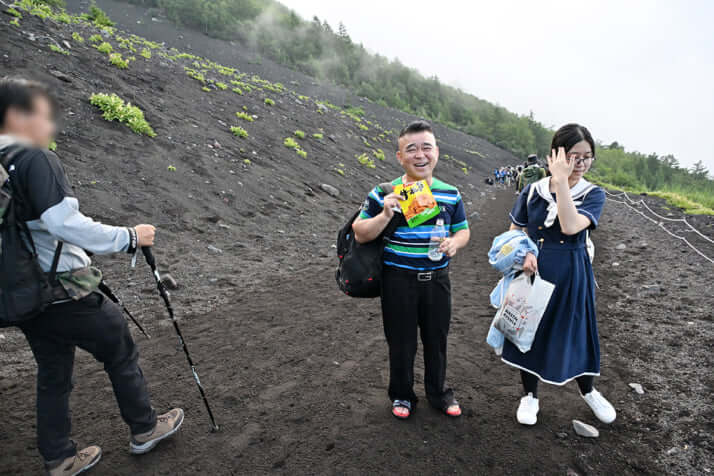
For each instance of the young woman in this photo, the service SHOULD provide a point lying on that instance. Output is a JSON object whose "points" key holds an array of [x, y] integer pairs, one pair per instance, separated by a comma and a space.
{"points": [[557, 212]]}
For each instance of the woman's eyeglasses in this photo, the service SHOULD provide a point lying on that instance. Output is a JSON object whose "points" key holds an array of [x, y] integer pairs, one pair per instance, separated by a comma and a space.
{"points": [[580, 159]]}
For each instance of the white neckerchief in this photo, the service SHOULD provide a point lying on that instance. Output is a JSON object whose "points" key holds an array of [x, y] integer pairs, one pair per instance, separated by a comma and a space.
{"points": [[542, 188]]}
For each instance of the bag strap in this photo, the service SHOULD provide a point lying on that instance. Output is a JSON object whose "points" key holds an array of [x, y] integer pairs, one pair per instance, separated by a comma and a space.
{"points": [[55, 263]]}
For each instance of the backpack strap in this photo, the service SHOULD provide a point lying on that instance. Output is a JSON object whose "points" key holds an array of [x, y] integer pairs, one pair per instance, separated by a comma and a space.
{"points": [[7, 155]]}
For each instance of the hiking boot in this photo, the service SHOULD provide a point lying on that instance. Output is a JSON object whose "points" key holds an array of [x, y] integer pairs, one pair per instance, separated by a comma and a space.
{"points": [[527, 413], [166, 425], [603, 410], [76, 464]]}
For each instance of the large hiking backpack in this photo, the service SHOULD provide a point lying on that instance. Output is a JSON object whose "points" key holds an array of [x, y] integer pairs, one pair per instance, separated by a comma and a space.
{"points": [[25, 290], [359, 273], [530, 174]]}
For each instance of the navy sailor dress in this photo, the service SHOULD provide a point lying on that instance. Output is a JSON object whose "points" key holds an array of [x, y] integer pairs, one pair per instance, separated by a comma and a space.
{"points": [[566, 344]]}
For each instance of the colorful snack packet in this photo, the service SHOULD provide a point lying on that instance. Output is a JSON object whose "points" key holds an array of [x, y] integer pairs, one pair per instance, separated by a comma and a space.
{"points": [[419, 204]]}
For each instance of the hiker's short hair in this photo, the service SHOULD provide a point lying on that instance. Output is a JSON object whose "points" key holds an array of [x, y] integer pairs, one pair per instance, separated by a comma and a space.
{"points": [[532, 159], [20, 93], [416, 126]]}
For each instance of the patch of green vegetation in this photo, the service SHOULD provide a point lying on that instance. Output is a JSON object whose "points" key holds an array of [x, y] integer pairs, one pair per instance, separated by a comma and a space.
{"points": [[206, 89], [247, 161], [197, 75], [299, 134], [13, 12], [171, 168], [15, 22], [97, 16], [59, 50], [95, 38], [303, 98], [363, 127], [475, 152], [146, 53], [366, 160], [318, 135], [301, 153], [104, 47], [238, 91], [379, 153], [114, 109], [269, 102], [245, 116], [340, 171], [52, 146], [116, 60], [291, 143], [239, 132], [77, 37], [465, 170], [221, 86]]}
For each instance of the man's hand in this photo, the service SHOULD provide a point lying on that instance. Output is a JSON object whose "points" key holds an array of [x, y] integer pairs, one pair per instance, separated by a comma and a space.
{"points": [[449, 247], [145, 235], [390, 202], [530, 264]]}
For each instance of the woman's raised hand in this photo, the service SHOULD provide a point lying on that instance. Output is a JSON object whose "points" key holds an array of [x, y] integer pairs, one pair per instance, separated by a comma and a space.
{"points": [[560, 166]]}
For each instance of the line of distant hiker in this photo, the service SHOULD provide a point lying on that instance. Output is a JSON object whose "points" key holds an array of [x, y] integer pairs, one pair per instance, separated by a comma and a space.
{"points": [[417, 223]]}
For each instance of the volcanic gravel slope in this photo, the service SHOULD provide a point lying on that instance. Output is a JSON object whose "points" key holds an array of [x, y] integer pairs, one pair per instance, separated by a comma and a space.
{"points": [[297, 372]]}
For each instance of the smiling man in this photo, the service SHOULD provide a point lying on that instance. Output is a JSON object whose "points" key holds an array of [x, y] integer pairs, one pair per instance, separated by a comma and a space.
{"points": [[416, 291]]}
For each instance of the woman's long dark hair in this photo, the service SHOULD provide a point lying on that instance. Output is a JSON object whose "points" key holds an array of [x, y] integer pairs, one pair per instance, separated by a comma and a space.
{"points": [[569, 135]]}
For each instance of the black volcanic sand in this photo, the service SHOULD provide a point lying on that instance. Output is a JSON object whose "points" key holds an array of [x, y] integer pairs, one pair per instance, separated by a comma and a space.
{"points": [[296, 372]]}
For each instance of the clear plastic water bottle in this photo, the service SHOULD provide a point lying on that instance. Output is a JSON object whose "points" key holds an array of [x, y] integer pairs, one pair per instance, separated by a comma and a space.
{"points": [[438, 233]]}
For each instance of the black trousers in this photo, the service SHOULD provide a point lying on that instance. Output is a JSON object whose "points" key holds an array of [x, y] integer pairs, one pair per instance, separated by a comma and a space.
{"points": [[408, 303], [96, 325], [530, 383]]}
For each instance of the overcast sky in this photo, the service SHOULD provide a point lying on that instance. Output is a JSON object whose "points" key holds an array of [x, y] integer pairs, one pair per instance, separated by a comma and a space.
{"points": [[639, 72]]}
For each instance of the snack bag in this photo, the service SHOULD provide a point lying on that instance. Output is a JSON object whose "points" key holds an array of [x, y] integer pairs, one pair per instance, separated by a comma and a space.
{"points": [[418, 204]]}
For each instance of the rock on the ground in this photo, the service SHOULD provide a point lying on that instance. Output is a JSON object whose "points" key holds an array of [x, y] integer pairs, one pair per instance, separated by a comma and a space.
{"points": [[637, 388], [651, 289], [585, 430], [61, 76], [169, 281], [330, 190], [214, 249], [621, 246]]}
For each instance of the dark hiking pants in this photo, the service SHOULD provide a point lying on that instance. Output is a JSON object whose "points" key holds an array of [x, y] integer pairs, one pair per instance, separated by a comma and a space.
{"points": [[409, 300], [96, 325]]}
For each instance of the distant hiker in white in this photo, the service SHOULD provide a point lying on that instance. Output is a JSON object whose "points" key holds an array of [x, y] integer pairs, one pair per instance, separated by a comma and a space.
{"points": [[76, 313]]}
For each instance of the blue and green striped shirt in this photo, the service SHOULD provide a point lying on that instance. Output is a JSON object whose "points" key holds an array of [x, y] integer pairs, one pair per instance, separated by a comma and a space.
{"points": [[409, 247]]}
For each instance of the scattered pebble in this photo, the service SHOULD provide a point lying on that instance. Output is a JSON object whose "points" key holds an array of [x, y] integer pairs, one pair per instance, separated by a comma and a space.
{"points": [[214, 249], [169, 281], [621, 246], [637, 388], [615, 264], [562, 435], [330, 190], [585, 430], [642, 245]]}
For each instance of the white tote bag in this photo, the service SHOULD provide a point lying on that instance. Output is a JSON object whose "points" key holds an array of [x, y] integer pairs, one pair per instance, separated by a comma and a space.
{"points": [[522, 309]]}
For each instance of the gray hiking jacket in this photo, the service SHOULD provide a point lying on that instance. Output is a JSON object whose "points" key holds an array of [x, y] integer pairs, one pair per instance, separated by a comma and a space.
{"points": [[53, 212]]}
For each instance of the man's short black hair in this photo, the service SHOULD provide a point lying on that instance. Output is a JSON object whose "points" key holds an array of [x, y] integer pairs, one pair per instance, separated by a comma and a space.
{"points": [[416, 126], [20, 93], [532, 159]]}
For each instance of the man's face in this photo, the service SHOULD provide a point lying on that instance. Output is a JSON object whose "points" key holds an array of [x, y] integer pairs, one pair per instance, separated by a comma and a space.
{"points": [[418, 154], [36, 126]]}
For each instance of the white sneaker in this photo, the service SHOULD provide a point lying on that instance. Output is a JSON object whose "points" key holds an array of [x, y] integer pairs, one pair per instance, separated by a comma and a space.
{"points": [[603, 410], [527, 413]]}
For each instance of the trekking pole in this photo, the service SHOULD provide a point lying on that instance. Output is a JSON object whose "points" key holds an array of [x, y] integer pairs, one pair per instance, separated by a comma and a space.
{"points": [[165, 296], [104, 288]]}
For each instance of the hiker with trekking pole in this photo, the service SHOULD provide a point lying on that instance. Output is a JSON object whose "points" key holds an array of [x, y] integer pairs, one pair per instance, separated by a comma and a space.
{"points": [[418, 223], [49, 289]]}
